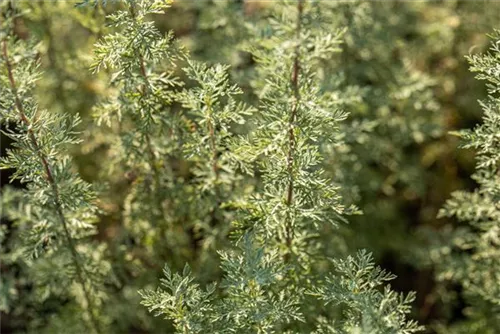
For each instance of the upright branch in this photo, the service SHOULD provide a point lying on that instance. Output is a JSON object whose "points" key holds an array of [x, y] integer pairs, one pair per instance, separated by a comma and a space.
{"points": [[213, 141], [80, 272], [214, 158], [144, 82], [152, 158], [291, 126], [212, 106]]}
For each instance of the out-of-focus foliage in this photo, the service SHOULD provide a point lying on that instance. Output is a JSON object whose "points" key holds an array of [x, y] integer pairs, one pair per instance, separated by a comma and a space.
{"points": [[182, 167], [470, 257]]}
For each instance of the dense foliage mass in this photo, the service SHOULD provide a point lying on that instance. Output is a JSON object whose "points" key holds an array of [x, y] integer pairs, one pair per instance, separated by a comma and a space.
{"points": [[249, 167]]}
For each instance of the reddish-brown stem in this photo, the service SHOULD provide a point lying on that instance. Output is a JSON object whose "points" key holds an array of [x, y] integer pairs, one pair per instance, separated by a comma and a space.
{"points": [[55, 189], [291, 128], [214, 162]]}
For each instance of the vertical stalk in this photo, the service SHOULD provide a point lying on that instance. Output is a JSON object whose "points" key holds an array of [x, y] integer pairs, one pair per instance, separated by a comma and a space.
{"points": [[291, 127], [213, 142], [55, 190], [152, 157], [149, 147], [214, 159]]}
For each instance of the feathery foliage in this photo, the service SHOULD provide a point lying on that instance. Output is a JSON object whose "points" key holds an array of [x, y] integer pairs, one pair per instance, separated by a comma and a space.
{"points": [[477, 267], [264, 288], [368, 310], [240, 137], [57, 210]]}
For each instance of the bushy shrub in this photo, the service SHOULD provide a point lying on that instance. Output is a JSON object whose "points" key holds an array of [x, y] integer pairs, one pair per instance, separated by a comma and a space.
{"points": [[227, 173]]}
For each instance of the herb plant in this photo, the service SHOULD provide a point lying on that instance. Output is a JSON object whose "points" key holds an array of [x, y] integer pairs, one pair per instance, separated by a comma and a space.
{"points": [[244, 166]]}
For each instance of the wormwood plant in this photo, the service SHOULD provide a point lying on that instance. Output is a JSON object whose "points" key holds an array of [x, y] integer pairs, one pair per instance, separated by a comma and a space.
{"points": [[171, 142], [194, 159], [142, 132], [275, 283], [139, 107], [212, 107], [55, 213], [393, 113], [472, 257]]}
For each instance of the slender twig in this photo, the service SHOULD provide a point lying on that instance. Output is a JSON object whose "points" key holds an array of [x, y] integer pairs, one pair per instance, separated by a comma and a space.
{"points": [[291, 127], [55, 189], [213, 142], [214, 160], [145, 90], [152, 157]]}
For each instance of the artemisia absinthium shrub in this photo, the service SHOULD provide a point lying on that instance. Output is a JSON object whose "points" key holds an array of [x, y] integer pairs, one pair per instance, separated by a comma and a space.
{"points": [[275, 282], [54, 215]]}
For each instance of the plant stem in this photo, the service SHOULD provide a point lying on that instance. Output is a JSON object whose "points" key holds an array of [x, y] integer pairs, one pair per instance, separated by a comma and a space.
{"points": [[149, 146], [213, 142], [291, 128], [214, 160], [145, 89], [55, 190]]}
